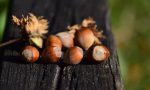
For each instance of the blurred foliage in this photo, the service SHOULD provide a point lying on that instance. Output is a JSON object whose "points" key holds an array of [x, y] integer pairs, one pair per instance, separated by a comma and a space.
{"points": [[3, 15], [131, 28]]}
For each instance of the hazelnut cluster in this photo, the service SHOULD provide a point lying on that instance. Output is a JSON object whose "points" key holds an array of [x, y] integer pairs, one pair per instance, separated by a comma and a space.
{"points": [[68, 46]]}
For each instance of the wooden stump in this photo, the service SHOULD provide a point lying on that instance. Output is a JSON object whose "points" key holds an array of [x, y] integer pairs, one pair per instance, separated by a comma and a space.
{"points": [[17, 75]]}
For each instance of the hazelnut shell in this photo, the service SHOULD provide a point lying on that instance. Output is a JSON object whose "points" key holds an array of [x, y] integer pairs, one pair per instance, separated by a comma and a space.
{"points": [[30, 54], [51, 54], [84, 38], [73, 55], [98, 53], [53, 40], [66, 39]]}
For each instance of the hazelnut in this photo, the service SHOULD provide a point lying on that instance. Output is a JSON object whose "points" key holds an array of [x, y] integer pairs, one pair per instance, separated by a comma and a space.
{"points": [[66, 39], [73, 55], [53, 40], [51, 54], [30, 54], [98, 53], [84, 38]]}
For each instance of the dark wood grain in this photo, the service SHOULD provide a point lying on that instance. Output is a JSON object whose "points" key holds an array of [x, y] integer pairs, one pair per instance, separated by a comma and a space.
{"points": [[17, 75]]}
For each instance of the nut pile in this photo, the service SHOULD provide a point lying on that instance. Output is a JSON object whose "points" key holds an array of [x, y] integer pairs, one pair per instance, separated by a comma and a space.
{"points": [[68, 46]]}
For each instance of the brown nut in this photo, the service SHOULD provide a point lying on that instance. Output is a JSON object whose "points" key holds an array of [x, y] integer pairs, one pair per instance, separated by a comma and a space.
{"points": [[66, 39], [98, 53], [53, 40], [84, 38], [30, 54], [51, 54], [73, 55]]}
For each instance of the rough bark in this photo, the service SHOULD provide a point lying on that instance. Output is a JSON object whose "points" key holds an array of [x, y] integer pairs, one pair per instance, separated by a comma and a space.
{"points": [[17, 75]]}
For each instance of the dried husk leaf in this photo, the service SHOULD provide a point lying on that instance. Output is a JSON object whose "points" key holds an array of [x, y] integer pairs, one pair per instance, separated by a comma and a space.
{"points": [[36, 25], [16, 20], [73, 29], [32, 27], [89, 22]]}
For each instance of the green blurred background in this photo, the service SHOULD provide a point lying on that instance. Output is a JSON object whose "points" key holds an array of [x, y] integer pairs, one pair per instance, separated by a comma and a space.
{"points": [[131, 29]]}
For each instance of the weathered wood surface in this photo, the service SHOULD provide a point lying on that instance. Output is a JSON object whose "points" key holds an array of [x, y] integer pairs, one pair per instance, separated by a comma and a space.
{"points": [[17, 75]]}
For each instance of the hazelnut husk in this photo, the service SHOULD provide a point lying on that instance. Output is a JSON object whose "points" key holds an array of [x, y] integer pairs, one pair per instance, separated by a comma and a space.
{"points": [[84, 38], [73, 55], [53, 40], [32, 28], [30, 54], [98, 53], [51, 54]]}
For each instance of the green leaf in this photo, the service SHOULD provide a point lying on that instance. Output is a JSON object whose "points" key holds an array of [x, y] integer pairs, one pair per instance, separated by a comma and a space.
{"points": [[38, 41]]}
